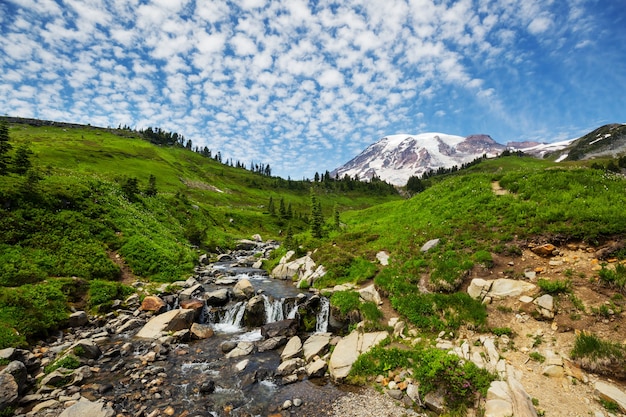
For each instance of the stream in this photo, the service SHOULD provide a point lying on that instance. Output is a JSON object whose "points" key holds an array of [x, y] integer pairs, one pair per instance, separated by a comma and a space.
{"points": [[196, 378]]}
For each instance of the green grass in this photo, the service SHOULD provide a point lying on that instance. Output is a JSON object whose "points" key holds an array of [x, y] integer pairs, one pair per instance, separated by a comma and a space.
{"points": [[554, 287], [600, 356]]}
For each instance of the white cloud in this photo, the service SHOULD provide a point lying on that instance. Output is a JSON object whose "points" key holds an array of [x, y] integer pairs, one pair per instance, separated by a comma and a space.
{"points": [[539, 25]]}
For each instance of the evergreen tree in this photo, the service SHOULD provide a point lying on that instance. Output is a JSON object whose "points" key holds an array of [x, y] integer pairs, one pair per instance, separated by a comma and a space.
{"points": [[130, 187], [336, 219], [282, 211], [289, 211], [5, 147], [415, 185], [21, 159], [271, 207], [317, 218], [151, 190]]}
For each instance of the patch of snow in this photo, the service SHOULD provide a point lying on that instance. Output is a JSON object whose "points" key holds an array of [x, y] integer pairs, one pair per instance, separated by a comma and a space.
{"points": [[561, 158]]}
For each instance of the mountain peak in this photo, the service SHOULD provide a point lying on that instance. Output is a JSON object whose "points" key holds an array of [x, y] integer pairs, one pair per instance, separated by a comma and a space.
{"points": [[395, 158]]}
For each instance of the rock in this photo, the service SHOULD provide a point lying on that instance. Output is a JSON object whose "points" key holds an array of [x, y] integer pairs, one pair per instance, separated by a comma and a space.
{"points": [[610, 392], [315, 345], [193, 304], [204, 259], [243, 290], [348, 350], [286, 404], [509, 288], [297, 402], [292, 349], [85, 407], [19, 373], [129, 325], [153, 303], [217, 298], [271, 343], [545, 306], [254, 315], [225, 257], [45, 404], [207, 387], [240, 366], [286, 328], [396, 394], [412, 391], [299, 270], [544, 250], [553, 371], [9, 391], [86, 348], [228, 346], [370, 293], [78, 319], [191, 292], [242, 349], [59, 378], [257, 238], [289, 366], [201, 331], [435, 401], [245, 244], [316, 369], [398, 329], [383, 258], [479, 288], [172, 320], [429, 245]]}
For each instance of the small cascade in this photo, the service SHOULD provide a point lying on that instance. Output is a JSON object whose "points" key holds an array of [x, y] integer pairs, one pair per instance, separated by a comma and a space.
{"points": [[294, 310], [231, 322], [273, 309], [321, 325]]}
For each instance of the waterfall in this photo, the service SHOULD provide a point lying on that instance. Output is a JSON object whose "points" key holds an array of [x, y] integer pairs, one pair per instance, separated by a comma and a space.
{"points": [[293, 311], [273, 309], [231, 322], [321, 326]]}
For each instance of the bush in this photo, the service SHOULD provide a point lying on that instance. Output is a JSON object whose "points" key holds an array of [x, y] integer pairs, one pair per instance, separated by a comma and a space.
{"points": [[499, 331], [67, 362], [554, 287], [345, 301], [601, 356], [449, 270], [615, 277], [102, 292]]}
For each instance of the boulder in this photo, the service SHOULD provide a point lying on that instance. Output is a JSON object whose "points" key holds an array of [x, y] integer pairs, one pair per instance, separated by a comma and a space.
{"points": [[610, 392], [194, 304], [254, 315], [19, 373], [191, 292], [242, 349], [383, 258], [153, 303], [86, 348], [170, 321], [289, 366], [315, 345], [78, 319], [201, 331], [9, 390], [285, 328], [292, 349], [245, 244], [243, 290], [316, 369], [545, 306], [509, 288], [217, 298], [348, 350], [85, 407], [271, 343], [370, 293], [479, 288], [544, 250]]}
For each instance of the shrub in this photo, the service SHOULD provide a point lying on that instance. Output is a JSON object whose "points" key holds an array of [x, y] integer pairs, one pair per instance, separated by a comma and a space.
{"points": [[102, 292], [537, 357], [601, 356], [615, 277], [345, 301], [67, 362], [499, 331], [449, 270], [554, 287]]}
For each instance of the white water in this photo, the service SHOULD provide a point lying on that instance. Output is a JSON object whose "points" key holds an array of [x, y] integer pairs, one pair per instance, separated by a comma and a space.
{"points": [[231, 323], [273, 309], [294, 310], [322, 317]]}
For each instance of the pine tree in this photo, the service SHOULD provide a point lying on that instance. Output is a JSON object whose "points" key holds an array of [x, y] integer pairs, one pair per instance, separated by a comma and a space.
{"points": [[317, 218], [282, 211], [151, 190], [21, 159], [5, 147], [130, 187], [271, 207], [336, 217]]}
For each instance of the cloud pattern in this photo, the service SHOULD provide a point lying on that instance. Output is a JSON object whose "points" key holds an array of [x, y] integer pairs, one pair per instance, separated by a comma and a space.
{"points": [[305, 85]]}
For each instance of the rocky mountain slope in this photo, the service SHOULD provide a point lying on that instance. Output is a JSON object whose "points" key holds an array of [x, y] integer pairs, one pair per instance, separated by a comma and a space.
{"points": [[397, 157]]}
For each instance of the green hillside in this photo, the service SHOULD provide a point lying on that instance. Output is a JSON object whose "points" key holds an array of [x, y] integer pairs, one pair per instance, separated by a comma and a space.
{"points": [[87, 210]]}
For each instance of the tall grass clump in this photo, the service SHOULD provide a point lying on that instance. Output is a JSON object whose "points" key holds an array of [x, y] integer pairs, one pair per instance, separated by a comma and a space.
{"points": [[600, 356]]}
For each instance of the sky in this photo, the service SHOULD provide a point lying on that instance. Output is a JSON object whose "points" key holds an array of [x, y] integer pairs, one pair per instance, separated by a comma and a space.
{"points": [[307, 85]]}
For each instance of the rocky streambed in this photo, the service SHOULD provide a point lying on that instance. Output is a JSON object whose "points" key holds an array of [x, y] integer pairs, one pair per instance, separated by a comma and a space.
{"points": [[228, 341]]}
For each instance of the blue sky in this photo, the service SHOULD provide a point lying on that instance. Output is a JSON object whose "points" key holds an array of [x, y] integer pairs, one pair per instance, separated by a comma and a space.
{"points": [[305, 86]]}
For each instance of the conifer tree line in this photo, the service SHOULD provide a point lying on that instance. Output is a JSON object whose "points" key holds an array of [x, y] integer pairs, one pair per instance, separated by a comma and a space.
{"points": [[20, 163]]}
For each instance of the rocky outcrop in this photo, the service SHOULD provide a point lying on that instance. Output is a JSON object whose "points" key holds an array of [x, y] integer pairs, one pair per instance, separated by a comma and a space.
{"points": [[84, 408], [348, 350], [488, 290], [302, 270]]}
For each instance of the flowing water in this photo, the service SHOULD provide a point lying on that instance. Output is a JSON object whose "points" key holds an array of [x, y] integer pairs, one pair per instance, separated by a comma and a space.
{"points": [[243, 386]]}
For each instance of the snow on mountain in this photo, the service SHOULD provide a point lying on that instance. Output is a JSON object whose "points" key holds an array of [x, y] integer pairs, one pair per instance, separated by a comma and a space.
{"points": [[395, 158], [539, 150]]}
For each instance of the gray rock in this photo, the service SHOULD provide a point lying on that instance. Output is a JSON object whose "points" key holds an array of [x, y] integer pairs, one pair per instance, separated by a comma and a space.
{"points": [[348, 350], [254, 315], [85, 408], [191, 292], [429, 245], [78, 319], [217, 298], [172, 320], [242, 349], [243, 290], [286, 328], [479, 288], [289, 366], [18, 370], [9, 391], [316, 369], [315, 345], [201, 331], [610, 392], [86, 348], [271, 343], [292, 349], [370, 293], [435, 401]]}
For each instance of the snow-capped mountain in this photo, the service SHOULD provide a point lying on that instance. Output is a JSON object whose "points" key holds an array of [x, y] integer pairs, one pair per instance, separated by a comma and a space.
{"points": [[395, 158]]}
